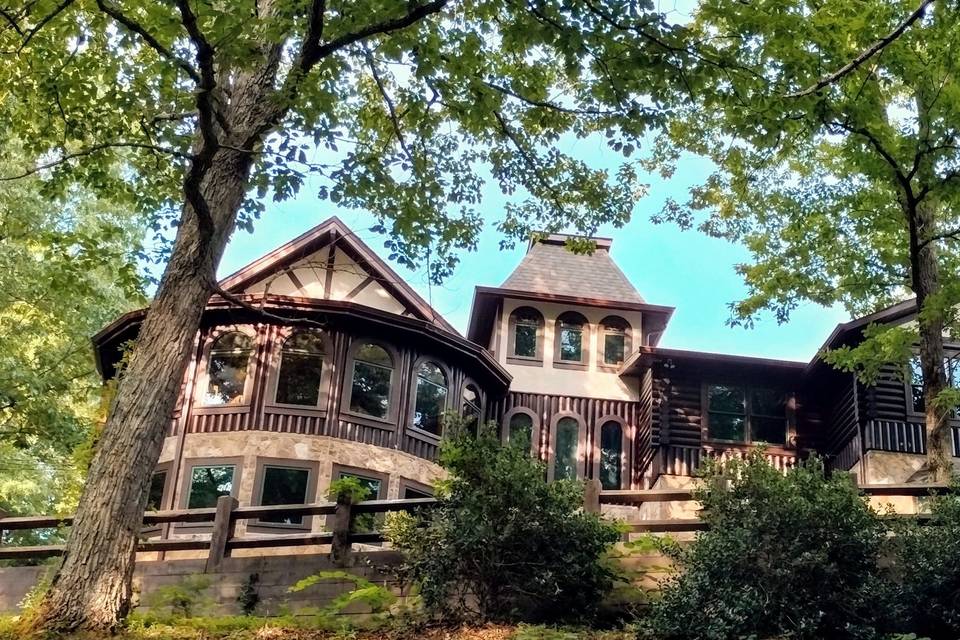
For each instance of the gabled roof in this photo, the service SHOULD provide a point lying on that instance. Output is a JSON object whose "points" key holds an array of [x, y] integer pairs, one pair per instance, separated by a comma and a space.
{"points": [[549, 267], [334, 231]]}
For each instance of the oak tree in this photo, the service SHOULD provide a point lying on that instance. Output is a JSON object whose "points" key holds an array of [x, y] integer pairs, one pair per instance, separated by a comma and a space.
{"points": [[395, 107]]}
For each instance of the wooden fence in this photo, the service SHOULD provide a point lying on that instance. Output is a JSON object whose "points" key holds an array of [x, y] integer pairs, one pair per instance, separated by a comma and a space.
{"points": [[224, 517]]}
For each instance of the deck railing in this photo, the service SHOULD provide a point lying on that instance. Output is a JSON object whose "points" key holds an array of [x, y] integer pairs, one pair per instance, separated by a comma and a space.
{"points": [[224, 517]]}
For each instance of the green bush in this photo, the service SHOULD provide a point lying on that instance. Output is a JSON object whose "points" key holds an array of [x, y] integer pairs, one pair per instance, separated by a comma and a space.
{"points": [[786, 555], [925, 566], [503, 543], [183, 599]]}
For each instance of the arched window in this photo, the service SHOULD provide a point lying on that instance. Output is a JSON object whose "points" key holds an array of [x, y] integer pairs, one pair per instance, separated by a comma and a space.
{"points": [[301, 363], [372, 377], [227, 368], [614, 341], [567, 449], [611, 454], [471, 407], [526, 334], [571, 338], [431, 397], [520, 431]]}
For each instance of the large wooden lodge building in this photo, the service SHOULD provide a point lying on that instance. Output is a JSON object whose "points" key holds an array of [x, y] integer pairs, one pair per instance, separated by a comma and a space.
{"points": [[564, 356]]}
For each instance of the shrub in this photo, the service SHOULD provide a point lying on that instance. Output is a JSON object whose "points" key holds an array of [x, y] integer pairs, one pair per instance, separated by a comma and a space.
{"points": [[183, 599], [925, 566], [503, 543], [786, 554]]}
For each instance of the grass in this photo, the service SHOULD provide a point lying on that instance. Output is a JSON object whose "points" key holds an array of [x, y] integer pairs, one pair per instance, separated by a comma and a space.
{"points": [[307, 628]]}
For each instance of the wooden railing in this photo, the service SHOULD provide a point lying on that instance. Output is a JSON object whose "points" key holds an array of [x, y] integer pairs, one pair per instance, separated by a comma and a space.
{"points": [[224, 517]]}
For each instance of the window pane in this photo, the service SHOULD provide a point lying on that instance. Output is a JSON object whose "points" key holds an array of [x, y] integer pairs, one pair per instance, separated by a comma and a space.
{"points": [[726, 398], [371, 389], [284, 485], [525, 344], [155, 492], [565, 460], [614, 345], [227, 375], [768, 402], [471, 407], [611, 454], [365, 522], [209, 483], [772, 430], [724, 426], [571, 343], [299, 378], [520, 432], [916, 385], [410, 493], [431, 397], [374, 354]]}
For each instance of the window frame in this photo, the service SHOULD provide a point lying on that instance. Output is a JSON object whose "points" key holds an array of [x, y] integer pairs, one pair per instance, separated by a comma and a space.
{"points": [[789, 415], [203, 371], [481, 401], [186, 486], [950, 352], [274, 368], [586, 335], [625, 448], [602, 338], [534, 432], [408, 483], [414, 382], [337, 469], [313, 472], [537, 359], [581, 445], [164, 467], [390, 420]]}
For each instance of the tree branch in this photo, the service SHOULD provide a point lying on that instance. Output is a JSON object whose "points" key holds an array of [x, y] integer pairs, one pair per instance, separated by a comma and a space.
{"points": [[391, 108], [47, 18], [866, 54], [240, 302], [96, 149]]}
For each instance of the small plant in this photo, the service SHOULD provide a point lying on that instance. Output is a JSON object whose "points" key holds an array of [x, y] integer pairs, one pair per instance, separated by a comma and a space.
{"points": [[36, 593], [249, 596], [182, 599], [376, 597], [349, 490]]}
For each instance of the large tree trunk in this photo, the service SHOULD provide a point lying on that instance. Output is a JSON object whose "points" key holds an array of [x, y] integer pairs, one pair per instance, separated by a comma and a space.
{"points": [[91, 589]]}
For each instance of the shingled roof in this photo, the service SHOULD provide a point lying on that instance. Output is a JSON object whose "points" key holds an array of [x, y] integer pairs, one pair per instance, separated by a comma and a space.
{"points": [[551, 268]]}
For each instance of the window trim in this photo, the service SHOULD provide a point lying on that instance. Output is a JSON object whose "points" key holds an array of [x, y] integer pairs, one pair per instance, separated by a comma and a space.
{"points": [[586, 335], [313, 472], [186, 486], [625, 447], [789, 416], [511, 358], [275, 360], [203, 371], [581, 444], [534, 433], [390, 421], [601, 342], [414, 381], [148, 531], [409, 483]]}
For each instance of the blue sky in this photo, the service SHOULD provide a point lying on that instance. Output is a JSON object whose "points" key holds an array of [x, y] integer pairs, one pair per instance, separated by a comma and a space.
{"points": [[684, 269]]}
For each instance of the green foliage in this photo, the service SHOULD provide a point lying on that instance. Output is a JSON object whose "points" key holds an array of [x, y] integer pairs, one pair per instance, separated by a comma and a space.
{"points": [[376, 598], [786, 555], [249, 596], [181, 600], [348, 490], [503, 543], [926, 570]]}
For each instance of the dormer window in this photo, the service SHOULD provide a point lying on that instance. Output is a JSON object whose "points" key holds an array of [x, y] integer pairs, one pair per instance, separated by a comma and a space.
{"points": [[526, 335], [615, 341], [572, 337]]}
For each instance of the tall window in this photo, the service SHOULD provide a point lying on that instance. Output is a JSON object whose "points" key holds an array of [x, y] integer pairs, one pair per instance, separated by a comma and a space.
{"points": [[951, 370], [301, 362], [520, 431], [526, 324], [372, 375], [155, 492], [611, 454], [471, 406], [571, 335], [431, 397], [742, 414], [208, 483], [566, 452], [227, 368], [615, 340], [284, 485]]}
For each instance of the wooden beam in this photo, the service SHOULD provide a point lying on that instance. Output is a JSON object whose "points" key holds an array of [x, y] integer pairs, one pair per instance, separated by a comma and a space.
{"points": [[223, 530], [591, 496], [340, 544]]}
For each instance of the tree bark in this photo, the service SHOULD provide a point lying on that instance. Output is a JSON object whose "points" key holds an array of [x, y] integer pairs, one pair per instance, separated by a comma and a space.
{"points": [[91, 589]]}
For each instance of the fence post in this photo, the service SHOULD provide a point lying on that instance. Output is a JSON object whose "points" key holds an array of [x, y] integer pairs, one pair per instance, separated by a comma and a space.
{"points": [[223, 529], [342, 519], [591, 496]]}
